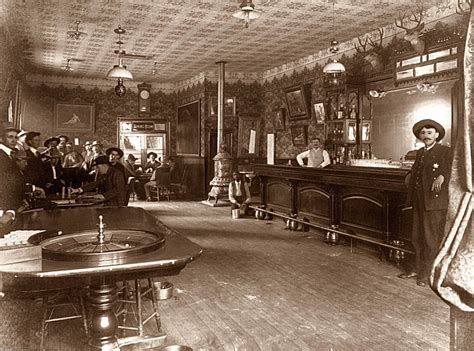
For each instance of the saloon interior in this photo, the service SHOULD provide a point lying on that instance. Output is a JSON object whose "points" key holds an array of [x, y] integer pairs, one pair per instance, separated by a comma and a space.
{"points": [[222, 86]]}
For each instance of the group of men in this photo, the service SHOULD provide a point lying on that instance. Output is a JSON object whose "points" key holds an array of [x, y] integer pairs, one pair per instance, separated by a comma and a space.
{"points": [[23, 168], [29, 170]]}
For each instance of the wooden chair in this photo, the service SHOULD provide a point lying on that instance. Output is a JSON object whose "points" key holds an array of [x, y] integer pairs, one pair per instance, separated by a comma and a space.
{"points": [[162, 187], [130, 190], [180, 187], [130, 302], [56, 306]]}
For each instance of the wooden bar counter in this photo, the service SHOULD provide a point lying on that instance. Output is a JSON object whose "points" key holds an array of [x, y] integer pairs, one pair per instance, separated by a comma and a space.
{"points": [[360, 200]]}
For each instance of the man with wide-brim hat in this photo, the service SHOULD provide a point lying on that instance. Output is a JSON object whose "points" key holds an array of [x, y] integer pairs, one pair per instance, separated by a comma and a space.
{"points": [[52, 142], [110, 184], [115, 155], [428, 194], [152, 163]]}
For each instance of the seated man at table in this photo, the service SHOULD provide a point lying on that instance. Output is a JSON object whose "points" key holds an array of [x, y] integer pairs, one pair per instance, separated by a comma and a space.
{"points": [[159, 176], [152, 162], [239, 194], [132, 169], [54, 173], [110, 183]]}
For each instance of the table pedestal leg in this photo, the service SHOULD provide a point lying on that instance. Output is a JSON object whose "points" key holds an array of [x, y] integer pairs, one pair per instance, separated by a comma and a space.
{"points": [[102, 320]]}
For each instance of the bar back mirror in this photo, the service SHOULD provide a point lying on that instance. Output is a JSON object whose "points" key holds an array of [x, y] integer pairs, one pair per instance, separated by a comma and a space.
{"points": [[396, 112]]}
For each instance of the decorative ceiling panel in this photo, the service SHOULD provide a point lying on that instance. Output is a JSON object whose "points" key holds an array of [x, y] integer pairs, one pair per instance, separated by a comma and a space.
{"points": [[186, 37]]}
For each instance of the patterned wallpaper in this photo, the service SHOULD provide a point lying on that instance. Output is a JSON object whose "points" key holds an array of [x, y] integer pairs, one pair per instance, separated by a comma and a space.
{"points": [[39, 102], [11, 70]]}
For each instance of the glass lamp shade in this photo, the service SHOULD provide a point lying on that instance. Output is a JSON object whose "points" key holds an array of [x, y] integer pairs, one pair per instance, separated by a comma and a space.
{"points": [[244, 13], [119, 71], [334, 67]]}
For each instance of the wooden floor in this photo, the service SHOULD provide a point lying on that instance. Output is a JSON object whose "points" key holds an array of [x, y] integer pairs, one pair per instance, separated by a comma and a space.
{"points": [[260, 287]]}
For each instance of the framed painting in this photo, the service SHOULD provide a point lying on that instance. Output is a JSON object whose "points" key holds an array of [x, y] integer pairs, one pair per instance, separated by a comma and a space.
{"points": [[188, 129], [319, 112], [229, 106], [74, 118], [296, 103], [279, 116], [249, 135], [299, 135]]}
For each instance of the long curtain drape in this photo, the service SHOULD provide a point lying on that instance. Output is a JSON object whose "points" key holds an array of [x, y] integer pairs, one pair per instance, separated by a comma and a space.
{"points": [[452, 276]]}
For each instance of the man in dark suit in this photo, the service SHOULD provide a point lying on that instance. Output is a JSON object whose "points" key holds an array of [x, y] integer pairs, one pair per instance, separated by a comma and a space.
{"points": [[11, 179], [110, 183], [54, 173], [428, 194], [34, 172]]}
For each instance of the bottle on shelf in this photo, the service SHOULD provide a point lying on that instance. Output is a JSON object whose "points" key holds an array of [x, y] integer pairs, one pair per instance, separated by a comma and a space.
{"points": [[353, 113], [340, 112]]}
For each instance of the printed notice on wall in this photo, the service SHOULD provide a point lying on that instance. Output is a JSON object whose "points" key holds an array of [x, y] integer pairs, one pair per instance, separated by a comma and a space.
{"points": [[252, 141], [271, 149]]}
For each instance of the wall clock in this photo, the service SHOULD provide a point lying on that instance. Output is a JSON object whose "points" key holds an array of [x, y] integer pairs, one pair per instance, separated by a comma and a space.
{"points": [[144, 99]]}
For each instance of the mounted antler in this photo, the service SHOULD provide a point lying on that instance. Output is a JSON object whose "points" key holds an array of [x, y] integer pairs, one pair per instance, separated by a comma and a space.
{"points": [[372, 55], [413, 34]]}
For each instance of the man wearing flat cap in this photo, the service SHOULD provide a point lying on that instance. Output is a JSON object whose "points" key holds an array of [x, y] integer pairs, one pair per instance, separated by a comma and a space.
{"points": [[110, 183], [428, 194]]}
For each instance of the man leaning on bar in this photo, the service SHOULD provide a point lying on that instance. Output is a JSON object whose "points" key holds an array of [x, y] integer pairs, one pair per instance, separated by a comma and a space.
{"points": [[317, 157]]}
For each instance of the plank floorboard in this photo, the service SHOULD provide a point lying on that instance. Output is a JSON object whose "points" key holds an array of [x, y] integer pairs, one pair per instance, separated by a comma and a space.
{"points": [[259, 287]]}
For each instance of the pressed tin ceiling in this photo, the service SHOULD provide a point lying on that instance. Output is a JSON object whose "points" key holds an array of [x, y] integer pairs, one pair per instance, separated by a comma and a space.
{"points": [[186, 37]]}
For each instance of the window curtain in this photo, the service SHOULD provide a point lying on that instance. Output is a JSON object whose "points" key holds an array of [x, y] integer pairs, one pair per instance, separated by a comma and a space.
{"points": [[452, 276]]}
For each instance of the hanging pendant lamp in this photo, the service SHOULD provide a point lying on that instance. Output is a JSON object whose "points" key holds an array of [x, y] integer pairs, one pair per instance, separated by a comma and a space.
{"points": [[334, 67]]}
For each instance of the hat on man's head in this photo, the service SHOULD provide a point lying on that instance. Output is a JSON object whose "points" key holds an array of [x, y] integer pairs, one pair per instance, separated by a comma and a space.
{"points": [[63, 136], [428, 123], [7, 127], [116, 149], [50, 140], [132, 157], [22, 133], [96, 143], [100, 160], [31, 135], [87, 143], [151, 153]]}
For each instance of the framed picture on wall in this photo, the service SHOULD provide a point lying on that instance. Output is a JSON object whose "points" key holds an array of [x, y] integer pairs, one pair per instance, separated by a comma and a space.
{"points": [[296, 103], [319, 112], [299, 135], [249, 135], [229, 106], [188, 129], [74, 118], [279, 116]]}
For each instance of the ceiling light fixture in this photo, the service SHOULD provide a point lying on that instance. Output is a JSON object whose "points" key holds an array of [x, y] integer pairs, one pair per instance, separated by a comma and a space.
{"points": [[120, 71], [68, 67], [334, 67], [246, 12], [378, 93]]}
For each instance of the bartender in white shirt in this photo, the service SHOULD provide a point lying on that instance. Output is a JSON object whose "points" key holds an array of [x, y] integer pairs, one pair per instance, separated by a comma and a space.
{"points": [[316, 155], [239, 193]]}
